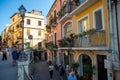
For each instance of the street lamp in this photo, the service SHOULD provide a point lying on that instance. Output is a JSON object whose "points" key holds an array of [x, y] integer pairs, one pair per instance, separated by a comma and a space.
{"points": [[22, 12]]}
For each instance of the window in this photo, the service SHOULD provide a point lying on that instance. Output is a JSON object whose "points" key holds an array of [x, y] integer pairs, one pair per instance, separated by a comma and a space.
{"points": [[39, 23], [83, 25], [28, 31], [13, 19], [98, 19], [67, 29], [55, 38], [28, 21], [39, 32], [54, 13], [39, 45]]}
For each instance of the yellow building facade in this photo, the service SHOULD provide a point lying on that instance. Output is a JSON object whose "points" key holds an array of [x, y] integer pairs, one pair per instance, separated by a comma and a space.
{"points": [[91, 18], [15, 30]]}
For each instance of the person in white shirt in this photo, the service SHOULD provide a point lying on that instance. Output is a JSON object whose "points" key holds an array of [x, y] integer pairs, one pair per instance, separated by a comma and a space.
{"points": [[51, 68]]}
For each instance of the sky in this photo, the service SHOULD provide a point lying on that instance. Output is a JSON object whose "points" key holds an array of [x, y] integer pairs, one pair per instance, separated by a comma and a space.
{"points": [[9, 7]]}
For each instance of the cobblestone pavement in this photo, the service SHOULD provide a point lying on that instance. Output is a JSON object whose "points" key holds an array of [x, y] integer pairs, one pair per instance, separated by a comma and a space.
{"points": [[41, 72], [7, 71]]}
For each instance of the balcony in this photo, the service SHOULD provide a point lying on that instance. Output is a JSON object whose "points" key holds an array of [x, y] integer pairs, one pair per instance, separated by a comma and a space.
{"points": [[85, 41], [19, 38], [67, 8], [73, 7], [84, 4], [48, 28], [51, 46], [66, 42], [53, 21]]}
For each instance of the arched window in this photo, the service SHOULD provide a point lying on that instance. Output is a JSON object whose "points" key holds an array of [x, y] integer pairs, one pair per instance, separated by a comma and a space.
{"points": [[67, 29]]}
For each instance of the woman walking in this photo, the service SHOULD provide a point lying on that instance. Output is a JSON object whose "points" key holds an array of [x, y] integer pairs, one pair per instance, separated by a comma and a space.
{"points": [[51, 68]]}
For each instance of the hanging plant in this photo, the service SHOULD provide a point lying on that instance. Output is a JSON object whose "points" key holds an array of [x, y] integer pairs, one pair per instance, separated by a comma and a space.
{"points": [[91, 31]]}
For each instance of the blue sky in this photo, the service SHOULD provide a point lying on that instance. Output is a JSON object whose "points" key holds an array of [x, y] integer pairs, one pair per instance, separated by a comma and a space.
{"points": [[9, 7]]}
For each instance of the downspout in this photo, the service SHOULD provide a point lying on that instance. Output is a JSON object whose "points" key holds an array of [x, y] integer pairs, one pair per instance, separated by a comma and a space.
{"points": [[111, 31], [118, 38], [111, 40]]}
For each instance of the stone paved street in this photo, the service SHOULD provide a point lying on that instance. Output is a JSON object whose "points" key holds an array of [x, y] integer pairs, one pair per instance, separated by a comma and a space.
{"points": [[41, 72], [7, 71]]}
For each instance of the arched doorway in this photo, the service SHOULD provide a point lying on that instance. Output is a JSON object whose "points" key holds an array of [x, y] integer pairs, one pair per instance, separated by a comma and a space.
{"points": [[85, 68]]}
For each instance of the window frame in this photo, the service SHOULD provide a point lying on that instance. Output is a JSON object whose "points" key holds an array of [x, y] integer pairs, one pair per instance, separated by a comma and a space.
{"points": [[94, 20], [80, 19], [39, 23], [28, 21]]}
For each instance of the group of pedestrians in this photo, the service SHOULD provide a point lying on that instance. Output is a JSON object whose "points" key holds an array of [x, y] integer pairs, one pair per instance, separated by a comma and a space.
{"points": [[65, 74], [14, 51]]}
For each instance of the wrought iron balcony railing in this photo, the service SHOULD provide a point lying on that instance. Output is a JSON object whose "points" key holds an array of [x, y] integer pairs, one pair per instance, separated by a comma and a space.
{"points": [[68, 7], [97, 39], [89, 39], [51, 46]]}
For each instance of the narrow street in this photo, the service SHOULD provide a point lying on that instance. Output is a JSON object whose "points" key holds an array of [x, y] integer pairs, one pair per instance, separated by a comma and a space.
{"points": [[40, 69], [7, 71], [41, 72]]}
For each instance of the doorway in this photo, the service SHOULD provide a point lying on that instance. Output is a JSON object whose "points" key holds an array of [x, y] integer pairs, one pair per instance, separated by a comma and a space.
{"points": [[102, 72], [85, 68]]}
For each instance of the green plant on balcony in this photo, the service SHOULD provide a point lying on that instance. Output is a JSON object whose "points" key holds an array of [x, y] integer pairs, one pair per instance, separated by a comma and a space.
{"points": [[73, 36], [91, 31], [51, 20], [59, 14], [62, 43], [48, 28]]}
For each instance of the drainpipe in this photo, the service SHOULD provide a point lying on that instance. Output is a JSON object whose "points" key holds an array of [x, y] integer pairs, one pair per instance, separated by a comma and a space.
{"points": [[111, 31], [118, 38], [111, 39]]}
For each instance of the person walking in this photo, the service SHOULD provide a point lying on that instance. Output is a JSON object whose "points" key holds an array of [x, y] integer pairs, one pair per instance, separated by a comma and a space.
{"points": [[61, 72], [4, 53], [72, 76], [51, 68], [14, 55]]}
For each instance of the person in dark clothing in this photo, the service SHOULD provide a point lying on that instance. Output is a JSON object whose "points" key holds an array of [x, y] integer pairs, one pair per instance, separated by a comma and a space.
{"points": [[61, 72], [14, 55], [4, 57]]}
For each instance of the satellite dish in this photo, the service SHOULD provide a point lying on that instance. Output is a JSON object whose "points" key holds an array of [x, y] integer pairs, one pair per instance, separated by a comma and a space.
{"points": [[30, 37]]}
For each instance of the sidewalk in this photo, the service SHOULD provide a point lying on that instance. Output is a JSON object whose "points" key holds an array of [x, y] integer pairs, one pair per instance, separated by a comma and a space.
{"points": [[41, 72], [7, 71]]}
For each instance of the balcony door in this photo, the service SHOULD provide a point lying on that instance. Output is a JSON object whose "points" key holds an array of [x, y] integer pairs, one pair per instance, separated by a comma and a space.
{"points": [[83, 26]]}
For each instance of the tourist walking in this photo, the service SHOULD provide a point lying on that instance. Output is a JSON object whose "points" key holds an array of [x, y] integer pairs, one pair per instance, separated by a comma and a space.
{"points": [[4, 54], [61, 72], [72, 76], [51, 68], [14, 55]]}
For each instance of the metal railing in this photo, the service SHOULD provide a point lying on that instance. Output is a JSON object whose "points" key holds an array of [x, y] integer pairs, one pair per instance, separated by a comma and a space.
{"points": [[95, 40]]}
